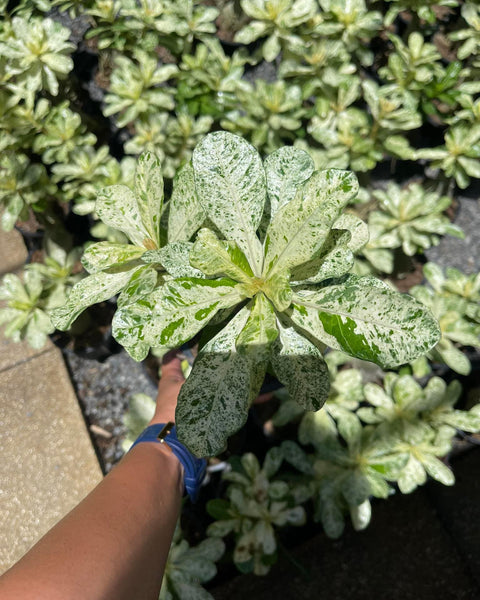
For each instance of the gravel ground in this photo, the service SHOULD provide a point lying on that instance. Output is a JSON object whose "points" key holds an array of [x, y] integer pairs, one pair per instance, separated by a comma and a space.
{"points": [[104, 389]]}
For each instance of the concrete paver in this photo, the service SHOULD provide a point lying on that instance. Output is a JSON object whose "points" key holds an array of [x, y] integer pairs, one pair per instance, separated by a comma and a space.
{"points": [[48, 463], [13, 253]]}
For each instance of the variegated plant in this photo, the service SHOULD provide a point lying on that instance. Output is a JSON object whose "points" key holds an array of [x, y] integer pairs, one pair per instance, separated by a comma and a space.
{"points": [[277, 276]]}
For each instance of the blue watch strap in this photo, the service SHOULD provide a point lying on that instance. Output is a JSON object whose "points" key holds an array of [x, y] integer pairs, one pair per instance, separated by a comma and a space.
{"points": [[194, 468]]}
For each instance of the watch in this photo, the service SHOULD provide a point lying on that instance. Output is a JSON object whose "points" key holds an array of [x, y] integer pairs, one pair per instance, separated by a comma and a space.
{"points": [[194, 468]]}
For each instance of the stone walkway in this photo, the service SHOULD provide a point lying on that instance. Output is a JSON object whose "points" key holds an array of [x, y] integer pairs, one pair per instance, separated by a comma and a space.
{"points": [[47, 460]]}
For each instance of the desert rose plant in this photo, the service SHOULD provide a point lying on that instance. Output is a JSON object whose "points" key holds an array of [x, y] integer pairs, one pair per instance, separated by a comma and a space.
{"points": [[269, 267]]}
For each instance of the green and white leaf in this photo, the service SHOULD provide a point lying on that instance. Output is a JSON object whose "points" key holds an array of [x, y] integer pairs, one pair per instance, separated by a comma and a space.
{"points": [[299, 365], [214, 404], [216, 258], [300, 228], [186, 214], [149, 193], [142, 283], [94, 288], [184, 306], [103, 255], [175, 259], [365, 318], [260, 330], [230, 185]]}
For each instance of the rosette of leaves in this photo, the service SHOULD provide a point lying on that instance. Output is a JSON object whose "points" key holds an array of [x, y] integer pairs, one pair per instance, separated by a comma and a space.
{"points": [[188, 567], [137, 87], [353, 24], [411, 218], [413, 65], [37, 54], [460, 156], [270, 113], [279, 21], [293, 291], [22, 185], [208, 80], [27, 306], [348, 470], [456, 327], [402, 408], [61, 135], [112, 29], [423, 8], [256, 506], [470, 37], [454, 283]]}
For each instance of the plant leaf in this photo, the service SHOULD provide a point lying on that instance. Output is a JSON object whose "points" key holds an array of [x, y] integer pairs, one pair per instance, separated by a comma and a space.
{"points": [[299, 365], [102, 255], [142, 283], [230, 184], [260, 329], [300, 228], [186, 214], [217, 258], [365, 318], [149, 193], [175, 259], [214, 403], [184, 306], [94, 288]]}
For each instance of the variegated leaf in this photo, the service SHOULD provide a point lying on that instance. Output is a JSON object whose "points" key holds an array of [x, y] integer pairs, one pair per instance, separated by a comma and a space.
{"points": [[94, 288], [214, 401], [300, 367], [278, 290], [184, 306], [260, 329], [142, 282], [217, 258], [300, 228], [358, 229], [365, 318], [186, 214], [102, 255], [149, 193], [333, 259], [285, 170], [117, 207], [130, 325], [230, 184], [175, 259]]}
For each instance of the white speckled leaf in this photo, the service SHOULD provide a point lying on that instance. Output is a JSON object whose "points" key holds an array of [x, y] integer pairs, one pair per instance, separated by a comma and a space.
{"points": [[117, 207], [142, 282], [358, 229], [300, 228], [216, 257], [130, 326], [94, 288], [214, 401], [149, 193], [175, 259], [299, 365], [102, 255], [285, 170], [365, 318], [278, 291], [186, 214], [230, 184], [260, 330], [333, 259], [184, 306]]}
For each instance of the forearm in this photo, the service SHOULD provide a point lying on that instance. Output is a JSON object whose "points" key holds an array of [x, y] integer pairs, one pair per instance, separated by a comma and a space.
{"points": [[114, 544]]}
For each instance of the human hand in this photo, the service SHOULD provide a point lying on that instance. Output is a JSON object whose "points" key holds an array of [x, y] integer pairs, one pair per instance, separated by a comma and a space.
{"points": [[171, 380]]}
